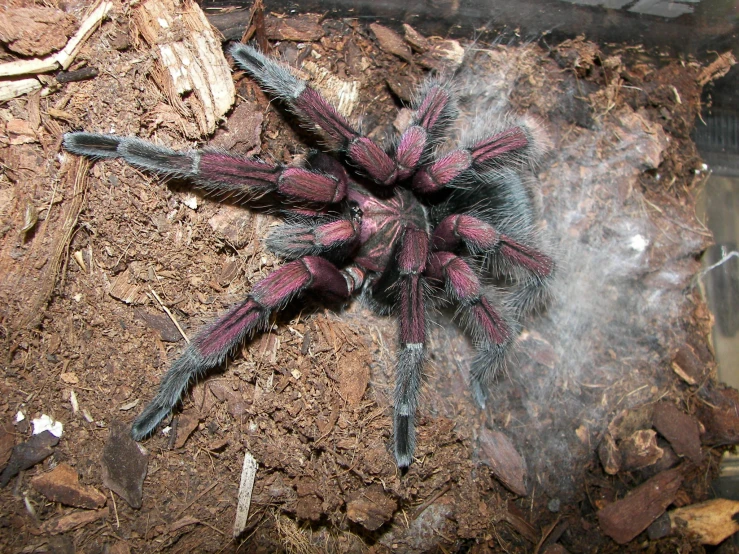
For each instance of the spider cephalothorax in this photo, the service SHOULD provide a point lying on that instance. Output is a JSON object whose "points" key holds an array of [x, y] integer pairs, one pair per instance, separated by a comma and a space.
{"points": [[402, 226]]}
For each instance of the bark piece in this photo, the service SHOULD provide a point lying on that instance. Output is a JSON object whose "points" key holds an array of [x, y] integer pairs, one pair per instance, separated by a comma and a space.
{"points": [[687, 365], [680, 430], [161, 323], [7, 441], [403, 86], [498, 452], [188, 422], [370, 507], [35, 31], [19, 131], [124, 465], [234, 224], [415, 39], [246, 486], [354, 375], [27, 454], [243, 130], [192, 71], [62, 485], [234, 400], [444, 56], [308, 508], [298, 28], [72, 521], [720, 416], [626, 518], [640, 450], [711, 522], [126, 291], [391, 42]]}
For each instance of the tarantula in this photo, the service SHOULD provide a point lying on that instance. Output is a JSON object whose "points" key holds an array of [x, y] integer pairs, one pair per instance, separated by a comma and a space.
{"points": [[403, 226]]}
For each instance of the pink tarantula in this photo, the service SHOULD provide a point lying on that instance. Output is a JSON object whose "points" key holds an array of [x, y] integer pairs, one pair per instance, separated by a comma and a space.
{"points": [[403, 227]]}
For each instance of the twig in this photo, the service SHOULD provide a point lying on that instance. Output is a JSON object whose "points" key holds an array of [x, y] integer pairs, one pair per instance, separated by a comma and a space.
{"points": [[431, 500], [248, 473], [115, 511], [171, 316], [61, 60]]}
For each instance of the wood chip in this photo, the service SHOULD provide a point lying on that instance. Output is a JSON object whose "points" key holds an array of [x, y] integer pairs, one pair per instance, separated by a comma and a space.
{"points": [[124, 465], [497, 451], [62, 485], [354, 375], [27, 454], [687, 365], [73, 521], [188, 422], [626, 518], [719, 413], [370, 507], [711, 522], [125, 290], [297, 28], [248, 473], [680, 430], [415, 39], [391, 42], [640, 450], [192, 71], [35, 31], [20, 132], [161, 323]]}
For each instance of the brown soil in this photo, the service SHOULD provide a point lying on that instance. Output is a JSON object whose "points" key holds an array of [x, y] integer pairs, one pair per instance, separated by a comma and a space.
{"points": [[83, 252]]}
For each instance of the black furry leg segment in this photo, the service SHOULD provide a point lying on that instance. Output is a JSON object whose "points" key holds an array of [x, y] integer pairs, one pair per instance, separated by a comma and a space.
{"points": [[411, 354]]}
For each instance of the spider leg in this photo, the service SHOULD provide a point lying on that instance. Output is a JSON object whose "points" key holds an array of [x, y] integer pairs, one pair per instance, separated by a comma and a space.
{"points": [[434, 109], [313, 237], [533, 291], [313, 109], [481, 237], [490, 151], [411, 262], [214, 171], [491, 332], [211, 346]]}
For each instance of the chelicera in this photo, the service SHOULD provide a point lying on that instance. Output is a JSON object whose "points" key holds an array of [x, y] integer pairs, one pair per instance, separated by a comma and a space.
{"points": [[403, 227]]}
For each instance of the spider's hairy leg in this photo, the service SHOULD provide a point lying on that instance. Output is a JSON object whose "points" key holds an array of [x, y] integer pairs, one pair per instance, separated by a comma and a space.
{"points": [[491, 332], [481, 237], [211, 346], [534, 287], [411, 262], [492, 150], [434, 108], [310, 238], [313, 109], [214, 171]]}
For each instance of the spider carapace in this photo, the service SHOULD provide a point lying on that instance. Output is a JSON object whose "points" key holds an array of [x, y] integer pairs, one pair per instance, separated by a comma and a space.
{"points": [[405, 227]]}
